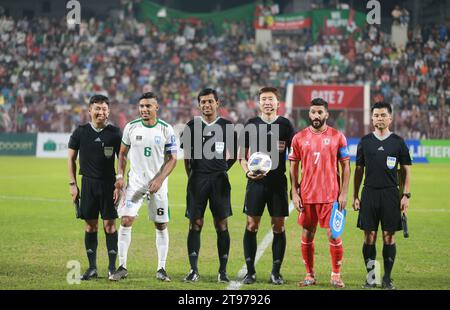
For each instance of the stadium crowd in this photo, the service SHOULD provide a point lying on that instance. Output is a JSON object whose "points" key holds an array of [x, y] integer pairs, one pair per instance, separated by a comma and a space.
{"points": [[48, 71]]}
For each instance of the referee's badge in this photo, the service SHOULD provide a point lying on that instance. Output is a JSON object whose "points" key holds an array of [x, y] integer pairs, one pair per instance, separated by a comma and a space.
{"points": [[391, 161], [220, 146], [108, 151]]}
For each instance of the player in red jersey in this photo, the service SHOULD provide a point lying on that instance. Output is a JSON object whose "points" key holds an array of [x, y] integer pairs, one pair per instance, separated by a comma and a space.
{"points": [[319, 148]]}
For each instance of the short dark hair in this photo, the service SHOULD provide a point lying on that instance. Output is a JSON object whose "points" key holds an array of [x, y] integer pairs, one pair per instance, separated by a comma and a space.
{"points": [[268, 89], [98, 99], [319, 102], [206, 92], [381, 105], [148, 95]]}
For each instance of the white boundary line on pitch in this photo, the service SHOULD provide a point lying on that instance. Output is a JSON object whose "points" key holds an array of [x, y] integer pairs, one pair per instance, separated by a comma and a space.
{"points": [[235, 285]]}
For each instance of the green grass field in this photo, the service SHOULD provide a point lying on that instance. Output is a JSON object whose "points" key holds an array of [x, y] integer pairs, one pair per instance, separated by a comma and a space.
{"points": [[39, 235]]}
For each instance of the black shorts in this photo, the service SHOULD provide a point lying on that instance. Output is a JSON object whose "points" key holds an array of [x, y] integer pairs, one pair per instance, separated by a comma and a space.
{"points": [[271, 191], [380, 205], [97, 197], [214, 187]]}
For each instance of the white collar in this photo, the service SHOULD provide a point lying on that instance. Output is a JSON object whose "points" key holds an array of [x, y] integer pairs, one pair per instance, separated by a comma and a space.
{"points": [[267, 121], [209, 124], [382, 138], [98, 129]]}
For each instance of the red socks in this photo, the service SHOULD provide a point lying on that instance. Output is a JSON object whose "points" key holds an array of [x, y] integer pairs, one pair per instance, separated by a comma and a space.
{"points": [[308, 254], [336, 252]]}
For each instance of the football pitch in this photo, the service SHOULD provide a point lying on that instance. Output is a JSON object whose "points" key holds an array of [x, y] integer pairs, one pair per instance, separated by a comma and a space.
{"points": [[39, 235]]}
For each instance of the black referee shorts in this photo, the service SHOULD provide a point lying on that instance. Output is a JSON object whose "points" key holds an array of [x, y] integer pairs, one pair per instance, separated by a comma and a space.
{"points": [[97, 197], [271, 190], [380, 205], [214, 187]]}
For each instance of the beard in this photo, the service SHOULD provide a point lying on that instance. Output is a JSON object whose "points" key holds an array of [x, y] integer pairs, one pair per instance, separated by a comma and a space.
{"points": [[317, 123]]}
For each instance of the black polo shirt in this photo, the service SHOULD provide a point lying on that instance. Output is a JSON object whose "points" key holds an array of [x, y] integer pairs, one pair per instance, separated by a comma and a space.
{"points": [[97, 150], [381, 159], [216, 139], [264, 131]]}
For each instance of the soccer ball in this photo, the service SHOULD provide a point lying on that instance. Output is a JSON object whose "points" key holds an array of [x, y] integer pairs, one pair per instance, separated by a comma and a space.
{"points": [[259, 163]]}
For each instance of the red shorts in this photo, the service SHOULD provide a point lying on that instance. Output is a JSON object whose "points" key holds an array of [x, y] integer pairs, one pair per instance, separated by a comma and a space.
{"points": [[313, 213]]}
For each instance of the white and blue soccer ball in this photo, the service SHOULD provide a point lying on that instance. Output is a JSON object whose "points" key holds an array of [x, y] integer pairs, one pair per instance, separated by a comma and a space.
{"points": [[259, 163]]}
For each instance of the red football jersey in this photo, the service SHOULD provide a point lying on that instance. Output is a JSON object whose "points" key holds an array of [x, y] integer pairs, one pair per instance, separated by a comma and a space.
{"points": [[319, 154]]}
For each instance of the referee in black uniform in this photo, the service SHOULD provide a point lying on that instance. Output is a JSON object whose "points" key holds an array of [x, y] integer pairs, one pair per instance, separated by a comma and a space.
{"points": [[270, 189], [97, 144], [210, 151], [378, 155]]}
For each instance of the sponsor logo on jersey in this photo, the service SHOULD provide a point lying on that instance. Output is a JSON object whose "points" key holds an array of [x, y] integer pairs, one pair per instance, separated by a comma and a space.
{"points": [[381, 148], [97, 140], [138, 138], [391, 161]]}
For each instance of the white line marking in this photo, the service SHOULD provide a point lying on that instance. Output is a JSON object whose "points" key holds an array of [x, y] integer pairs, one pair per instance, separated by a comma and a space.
{"points": [[235, 285]]}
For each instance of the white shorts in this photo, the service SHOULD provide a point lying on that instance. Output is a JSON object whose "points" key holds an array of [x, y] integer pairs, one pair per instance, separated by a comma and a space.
{"points": [[157, 204]]}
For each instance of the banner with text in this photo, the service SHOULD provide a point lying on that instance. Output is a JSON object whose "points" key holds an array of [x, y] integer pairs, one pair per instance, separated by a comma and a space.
{"points": [[18, 144], [337, 96], [337, 23], [52, 145], [294, 21]]}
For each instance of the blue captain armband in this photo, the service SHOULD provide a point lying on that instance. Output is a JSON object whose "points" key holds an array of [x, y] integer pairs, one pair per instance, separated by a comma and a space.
{"points": [[343, 152]]}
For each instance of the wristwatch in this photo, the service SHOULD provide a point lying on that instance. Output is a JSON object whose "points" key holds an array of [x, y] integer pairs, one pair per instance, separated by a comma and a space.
{"points": [[407, 195]]}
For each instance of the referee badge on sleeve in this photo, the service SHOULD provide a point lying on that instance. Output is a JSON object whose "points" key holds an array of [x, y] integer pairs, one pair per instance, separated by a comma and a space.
{"points": [[108, 151], [391, 161]]}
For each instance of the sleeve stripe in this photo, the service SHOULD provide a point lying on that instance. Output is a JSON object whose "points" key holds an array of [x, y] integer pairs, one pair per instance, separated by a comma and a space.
{"points": [[125, 144]]}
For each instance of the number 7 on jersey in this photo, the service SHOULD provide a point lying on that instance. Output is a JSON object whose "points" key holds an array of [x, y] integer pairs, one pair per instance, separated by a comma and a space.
{"points": [[317, 155]]}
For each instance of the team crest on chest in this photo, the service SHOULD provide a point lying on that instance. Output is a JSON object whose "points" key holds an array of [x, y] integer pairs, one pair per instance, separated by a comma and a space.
{"points": [[326, 141], [158, 140]]}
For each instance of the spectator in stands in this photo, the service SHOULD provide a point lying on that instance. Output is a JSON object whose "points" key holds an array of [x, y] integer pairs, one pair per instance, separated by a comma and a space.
{"points": [[47, 71]]}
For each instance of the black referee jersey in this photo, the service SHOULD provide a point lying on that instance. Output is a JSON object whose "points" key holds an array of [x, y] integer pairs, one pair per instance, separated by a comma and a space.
{"points": [[381, 157], [208, 137], [97, 150], [286, 133]]}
